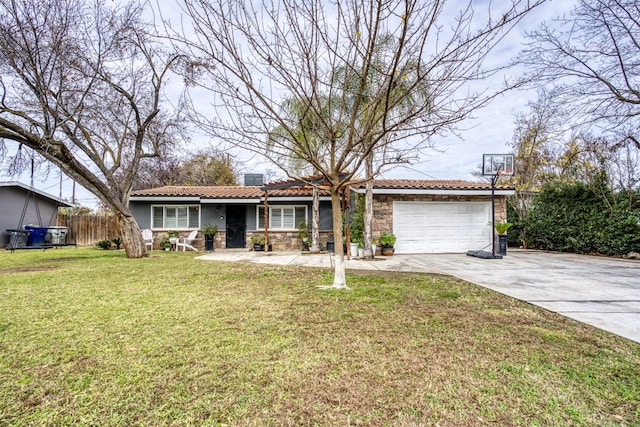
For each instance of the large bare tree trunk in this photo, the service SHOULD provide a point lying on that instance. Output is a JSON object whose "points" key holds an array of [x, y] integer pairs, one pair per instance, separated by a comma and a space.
{"points": [[339, 276], [315, 226], [131, 236]]}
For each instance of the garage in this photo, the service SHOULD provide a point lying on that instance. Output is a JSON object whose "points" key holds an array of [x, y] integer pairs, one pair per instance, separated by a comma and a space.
{"points": [[441, 227]]}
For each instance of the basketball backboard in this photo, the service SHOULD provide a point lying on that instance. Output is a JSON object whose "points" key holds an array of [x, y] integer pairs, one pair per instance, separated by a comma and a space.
{"points": [[497, 164]]}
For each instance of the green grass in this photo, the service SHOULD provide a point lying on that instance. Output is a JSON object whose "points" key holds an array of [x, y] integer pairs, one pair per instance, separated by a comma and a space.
{"points": [[88, 337]]}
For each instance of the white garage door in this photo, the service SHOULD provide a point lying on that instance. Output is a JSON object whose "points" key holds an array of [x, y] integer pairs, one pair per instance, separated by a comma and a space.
{"points": [[432, 227]]}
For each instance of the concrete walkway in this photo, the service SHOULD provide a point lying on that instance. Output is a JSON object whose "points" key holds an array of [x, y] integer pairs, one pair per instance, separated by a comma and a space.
{"points": [[602, 292]]}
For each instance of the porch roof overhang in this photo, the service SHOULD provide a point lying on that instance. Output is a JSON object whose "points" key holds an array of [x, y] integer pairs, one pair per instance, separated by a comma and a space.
{"points": [[229, 201]]}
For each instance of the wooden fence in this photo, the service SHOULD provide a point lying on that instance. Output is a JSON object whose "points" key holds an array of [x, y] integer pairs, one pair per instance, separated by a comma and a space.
{"points": [[89, 229]]}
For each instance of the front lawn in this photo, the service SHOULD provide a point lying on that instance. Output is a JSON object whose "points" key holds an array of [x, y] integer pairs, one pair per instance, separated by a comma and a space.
{"points": [[89, 337]]}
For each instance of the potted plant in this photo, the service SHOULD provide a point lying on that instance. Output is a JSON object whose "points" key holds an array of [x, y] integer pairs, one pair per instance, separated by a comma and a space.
{"points": [[165, 243], [501, 228], [387, 240], [303, 235], [209, 231], [258, 242], [353, 247]]}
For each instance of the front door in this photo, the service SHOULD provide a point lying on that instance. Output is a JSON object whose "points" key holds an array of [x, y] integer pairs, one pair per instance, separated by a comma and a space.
{"points": [[236, 226]]}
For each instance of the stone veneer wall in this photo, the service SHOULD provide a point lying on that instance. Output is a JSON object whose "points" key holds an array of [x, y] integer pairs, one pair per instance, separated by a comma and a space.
{"points": [[287, 240], [280, 240], [383, 207]]}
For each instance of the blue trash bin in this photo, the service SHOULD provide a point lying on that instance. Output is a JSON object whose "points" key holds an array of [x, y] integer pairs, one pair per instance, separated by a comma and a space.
{"points": [[36, 235]]}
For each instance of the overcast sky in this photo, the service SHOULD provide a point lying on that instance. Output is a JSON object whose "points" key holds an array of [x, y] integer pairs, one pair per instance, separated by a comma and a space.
{"points": [[491, 129], [488, 132]]}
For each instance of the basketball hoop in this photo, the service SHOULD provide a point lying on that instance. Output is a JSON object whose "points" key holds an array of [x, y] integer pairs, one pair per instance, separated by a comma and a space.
{"points": [[497, 164]]}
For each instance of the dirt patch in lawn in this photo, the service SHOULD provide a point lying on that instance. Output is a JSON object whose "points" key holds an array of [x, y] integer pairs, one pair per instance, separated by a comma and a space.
{"points": [[60, 259], [28, 269]]}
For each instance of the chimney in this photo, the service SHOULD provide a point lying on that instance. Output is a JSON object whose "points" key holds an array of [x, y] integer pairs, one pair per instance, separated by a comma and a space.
{"points": [[253, 179]]}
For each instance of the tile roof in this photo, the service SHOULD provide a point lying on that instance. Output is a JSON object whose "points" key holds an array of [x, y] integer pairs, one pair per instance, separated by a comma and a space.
{"points": [[255, 192], [217, 192], [224, 192], [421, 184]]}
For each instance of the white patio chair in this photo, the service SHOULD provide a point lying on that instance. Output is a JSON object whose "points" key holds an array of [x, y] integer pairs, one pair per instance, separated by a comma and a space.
{"points": [[187, 242], [147, 236]]}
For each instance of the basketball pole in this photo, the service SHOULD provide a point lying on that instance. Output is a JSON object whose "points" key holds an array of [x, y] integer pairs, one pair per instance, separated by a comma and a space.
{"points": [[494, 180], [493, 216]]}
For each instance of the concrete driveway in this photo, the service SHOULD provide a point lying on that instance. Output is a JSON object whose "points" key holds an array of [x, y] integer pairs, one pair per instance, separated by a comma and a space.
{"points": [[602, 292]]}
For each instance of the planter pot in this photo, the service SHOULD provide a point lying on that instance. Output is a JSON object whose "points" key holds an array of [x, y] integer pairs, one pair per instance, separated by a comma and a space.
{"points": [[354, 249], [502, 244], [373, 250], [209, 243], [388, 250], [258, 248], [360, 252]]}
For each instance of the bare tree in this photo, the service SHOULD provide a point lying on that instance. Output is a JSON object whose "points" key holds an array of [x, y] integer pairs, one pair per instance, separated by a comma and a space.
{"points": [[252, 55], [207, 168], [202, 167], [80, 84], [592, 56], [537, 142], [157, 172], [545, 150]]}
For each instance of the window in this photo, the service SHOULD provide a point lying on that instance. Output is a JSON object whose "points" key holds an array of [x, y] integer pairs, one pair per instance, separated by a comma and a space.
{"points": [[283, 217], [177, 217]]}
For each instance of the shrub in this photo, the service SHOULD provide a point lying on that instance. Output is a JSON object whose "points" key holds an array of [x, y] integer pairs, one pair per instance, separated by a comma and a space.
{"points": [[165, 243], [578, 218], [387, 239], [117, 241], [502, 227], [104, 244], [210, 229], [257, 239], [303, 233]]}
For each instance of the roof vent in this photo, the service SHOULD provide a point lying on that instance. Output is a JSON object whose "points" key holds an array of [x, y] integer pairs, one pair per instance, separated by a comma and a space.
{"points": [[253, 179]]}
